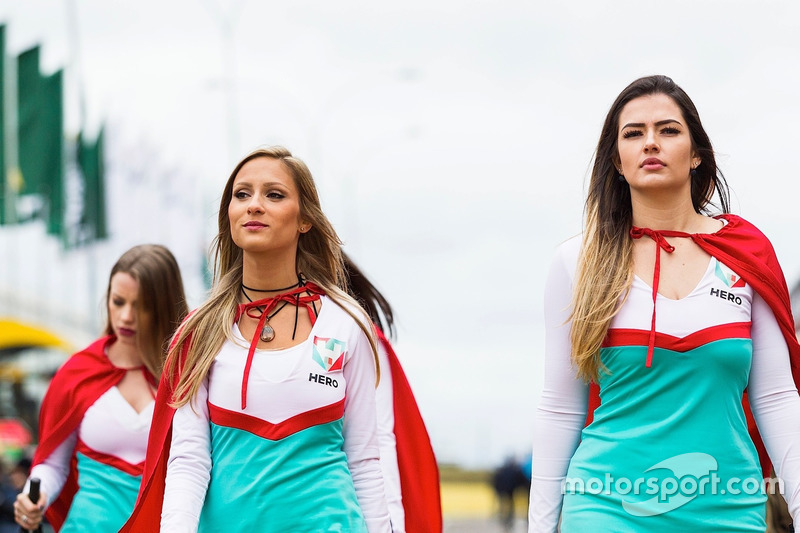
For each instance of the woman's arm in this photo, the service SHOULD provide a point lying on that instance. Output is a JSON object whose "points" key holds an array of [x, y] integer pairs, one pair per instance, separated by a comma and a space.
{"points": [[775, 401], [388, 444], [564, 402], [54, 470], [361, 435], [189, 466]]}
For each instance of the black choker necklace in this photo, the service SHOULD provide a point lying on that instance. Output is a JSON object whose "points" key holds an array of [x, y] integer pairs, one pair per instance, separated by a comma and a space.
{"points": [[270, 290], [267, 332]]}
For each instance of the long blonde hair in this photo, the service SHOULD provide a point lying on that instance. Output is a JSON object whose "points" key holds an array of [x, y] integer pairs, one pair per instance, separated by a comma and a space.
{"points": [[605, 267], [319, 258]]}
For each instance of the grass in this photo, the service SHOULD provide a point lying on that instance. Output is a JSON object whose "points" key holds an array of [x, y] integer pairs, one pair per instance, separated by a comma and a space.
{"points": [[468, 494]]}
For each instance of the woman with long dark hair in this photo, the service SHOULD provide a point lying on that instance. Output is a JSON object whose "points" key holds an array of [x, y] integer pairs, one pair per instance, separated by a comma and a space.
{"points": [[672, 315], [96, 415], [265, 419]]}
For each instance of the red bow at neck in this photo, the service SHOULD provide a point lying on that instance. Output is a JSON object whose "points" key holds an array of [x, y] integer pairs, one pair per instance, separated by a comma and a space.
{"points": [[661, 244], [303, 295]]}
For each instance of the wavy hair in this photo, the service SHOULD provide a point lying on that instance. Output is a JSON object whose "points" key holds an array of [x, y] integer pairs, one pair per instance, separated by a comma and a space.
{"points": [[319, 259], [605, 267]]}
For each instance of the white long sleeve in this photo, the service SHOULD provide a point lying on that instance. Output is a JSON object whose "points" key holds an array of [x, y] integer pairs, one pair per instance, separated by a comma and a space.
{"points": [[53, 471], [189, 466], [361, 436], [283, 385], [775, 402], [388, 444], [563, 404]]}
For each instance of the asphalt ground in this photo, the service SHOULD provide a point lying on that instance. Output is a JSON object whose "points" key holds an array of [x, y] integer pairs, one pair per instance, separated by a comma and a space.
{"points": [[481, 525]]}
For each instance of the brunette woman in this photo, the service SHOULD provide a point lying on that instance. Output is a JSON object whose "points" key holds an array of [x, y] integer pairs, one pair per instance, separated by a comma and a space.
{"points": [[96, 415], [672, 314]]}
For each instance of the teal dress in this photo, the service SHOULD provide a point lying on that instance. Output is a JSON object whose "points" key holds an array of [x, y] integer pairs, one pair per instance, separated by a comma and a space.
{"points": [[668, 449], [105, 498]]}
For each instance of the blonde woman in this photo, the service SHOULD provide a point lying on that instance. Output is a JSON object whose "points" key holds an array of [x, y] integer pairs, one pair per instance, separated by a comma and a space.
{"points": [[96, 415], [672, 315], [266, 419]]}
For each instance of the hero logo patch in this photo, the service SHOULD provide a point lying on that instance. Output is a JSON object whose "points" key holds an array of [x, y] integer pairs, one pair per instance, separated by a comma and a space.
{"points": [[731, 278], [329, 353]]}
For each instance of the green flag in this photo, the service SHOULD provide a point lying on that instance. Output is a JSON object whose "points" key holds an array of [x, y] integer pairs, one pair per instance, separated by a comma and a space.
{"points": [[28, 125], [40, 126], [90, 160], [52, 139]]}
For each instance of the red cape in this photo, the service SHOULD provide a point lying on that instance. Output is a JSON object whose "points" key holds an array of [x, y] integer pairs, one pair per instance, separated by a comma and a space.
{"points": [[742, 247], [419, 473], [79, 382]]}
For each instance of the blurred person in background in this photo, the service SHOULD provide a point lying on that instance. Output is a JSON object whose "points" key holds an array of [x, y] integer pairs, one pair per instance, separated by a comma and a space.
{"points": [[506, 480], [410, 472], [671, 386], [19, 474], [97, 411], [265, 418], [11, 484]]}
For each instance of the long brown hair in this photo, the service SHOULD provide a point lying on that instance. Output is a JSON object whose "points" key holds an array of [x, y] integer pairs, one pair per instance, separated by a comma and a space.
{"points": [[161, 298], [365, 293], [605, 267], [319, 259]]}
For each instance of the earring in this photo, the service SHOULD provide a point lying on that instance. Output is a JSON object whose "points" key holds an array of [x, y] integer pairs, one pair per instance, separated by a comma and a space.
{"points": [[693, 172], [620, 176]]}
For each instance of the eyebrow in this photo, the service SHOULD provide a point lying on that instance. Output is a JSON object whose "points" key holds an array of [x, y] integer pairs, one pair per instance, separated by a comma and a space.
{"points": [[267, 184], [642, 124]]}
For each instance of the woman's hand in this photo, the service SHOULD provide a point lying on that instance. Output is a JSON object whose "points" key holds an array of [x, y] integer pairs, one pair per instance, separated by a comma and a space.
{"points": [[28, 514]]}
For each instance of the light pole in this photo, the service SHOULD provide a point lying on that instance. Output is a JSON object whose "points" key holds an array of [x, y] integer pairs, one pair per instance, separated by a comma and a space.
{"points": [[226, 23]]}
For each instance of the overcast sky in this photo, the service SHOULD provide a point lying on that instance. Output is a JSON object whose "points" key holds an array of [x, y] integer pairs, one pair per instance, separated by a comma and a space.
{"points": [[450, 141]]}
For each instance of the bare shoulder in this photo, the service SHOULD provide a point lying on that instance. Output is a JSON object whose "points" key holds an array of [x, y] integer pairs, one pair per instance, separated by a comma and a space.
{"points": [[710, 224]]}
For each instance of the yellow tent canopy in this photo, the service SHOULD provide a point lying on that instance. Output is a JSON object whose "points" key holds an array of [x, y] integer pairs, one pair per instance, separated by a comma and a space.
{"points": [[15, 334]]}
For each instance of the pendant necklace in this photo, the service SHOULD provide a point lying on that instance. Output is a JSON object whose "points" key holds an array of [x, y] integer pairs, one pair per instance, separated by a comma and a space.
{"points": [[267, 332]]}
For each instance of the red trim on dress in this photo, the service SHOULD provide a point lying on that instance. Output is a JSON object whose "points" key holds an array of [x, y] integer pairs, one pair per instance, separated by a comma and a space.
{"points": [[741, 246], [267, 430], [110, 460], [640, 337], [419, 473]]}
